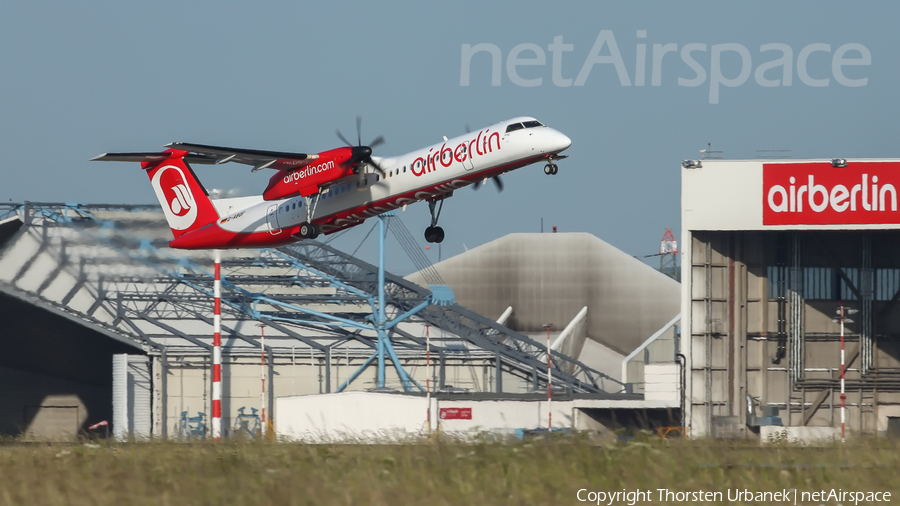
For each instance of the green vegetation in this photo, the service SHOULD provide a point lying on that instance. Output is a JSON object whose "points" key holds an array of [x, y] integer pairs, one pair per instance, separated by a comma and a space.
{"points": [[538, 472]]}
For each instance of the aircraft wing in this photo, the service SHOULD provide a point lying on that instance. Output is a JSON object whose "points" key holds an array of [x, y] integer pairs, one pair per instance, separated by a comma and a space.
{"points": [[257, 158]]}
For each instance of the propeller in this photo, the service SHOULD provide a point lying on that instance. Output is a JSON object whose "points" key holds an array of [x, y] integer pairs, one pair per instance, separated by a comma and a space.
{"points": [[362, 154], [497, 182]]}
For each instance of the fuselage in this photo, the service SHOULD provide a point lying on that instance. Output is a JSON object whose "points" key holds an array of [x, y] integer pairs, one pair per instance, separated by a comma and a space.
{"points": [[425, 174]]}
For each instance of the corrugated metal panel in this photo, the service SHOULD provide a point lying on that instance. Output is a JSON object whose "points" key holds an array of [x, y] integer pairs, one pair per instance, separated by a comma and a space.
{"points": [[140, 412], [120, 396]]}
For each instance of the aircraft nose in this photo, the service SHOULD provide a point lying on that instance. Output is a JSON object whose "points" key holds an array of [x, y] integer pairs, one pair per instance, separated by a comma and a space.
{"points": [[560, 141]]}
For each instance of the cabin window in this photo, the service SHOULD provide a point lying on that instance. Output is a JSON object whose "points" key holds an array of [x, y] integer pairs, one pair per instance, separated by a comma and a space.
{"points": [[514, 127], [404, 169]]}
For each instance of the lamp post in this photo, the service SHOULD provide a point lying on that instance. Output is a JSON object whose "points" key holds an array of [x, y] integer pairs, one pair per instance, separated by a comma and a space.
{"points": [[549, 381]]}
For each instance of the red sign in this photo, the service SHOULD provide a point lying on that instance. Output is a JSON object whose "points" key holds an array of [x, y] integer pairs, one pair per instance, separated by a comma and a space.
{"points": [[819, 194], [456, 413]]}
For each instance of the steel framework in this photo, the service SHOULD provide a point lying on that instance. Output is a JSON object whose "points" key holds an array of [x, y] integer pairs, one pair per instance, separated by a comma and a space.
{"points": [[113, 273]]}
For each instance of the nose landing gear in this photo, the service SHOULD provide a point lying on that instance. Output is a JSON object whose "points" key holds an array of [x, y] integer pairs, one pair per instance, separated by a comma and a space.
{"points": [[434, 233], [551, 168]]}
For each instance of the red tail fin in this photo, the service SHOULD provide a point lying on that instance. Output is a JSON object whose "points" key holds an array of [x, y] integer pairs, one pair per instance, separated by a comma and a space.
{"points": [[183, 199]]}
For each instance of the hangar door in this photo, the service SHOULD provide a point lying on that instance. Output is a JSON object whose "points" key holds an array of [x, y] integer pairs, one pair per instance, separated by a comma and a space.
{"points": [[132, 387]]}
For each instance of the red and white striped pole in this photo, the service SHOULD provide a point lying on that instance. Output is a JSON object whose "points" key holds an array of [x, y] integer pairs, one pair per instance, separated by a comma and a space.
{"points": [[217, 351], [549, 382], [842, 312]]}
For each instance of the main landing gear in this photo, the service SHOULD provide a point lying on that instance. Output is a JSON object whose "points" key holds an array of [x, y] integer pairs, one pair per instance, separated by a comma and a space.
{"points": [[435, 233], [309, 230]]}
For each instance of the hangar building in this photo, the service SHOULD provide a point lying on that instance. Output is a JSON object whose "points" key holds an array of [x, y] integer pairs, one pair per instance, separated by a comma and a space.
{"points": [[771, 250]]}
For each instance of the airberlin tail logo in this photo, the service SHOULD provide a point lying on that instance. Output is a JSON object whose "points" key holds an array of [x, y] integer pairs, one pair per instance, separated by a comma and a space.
{"points": [[175, 196]]}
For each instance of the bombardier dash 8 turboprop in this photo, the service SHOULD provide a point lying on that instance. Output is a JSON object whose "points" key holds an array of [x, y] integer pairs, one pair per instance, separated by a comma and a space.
{"points": [[336, 189]]}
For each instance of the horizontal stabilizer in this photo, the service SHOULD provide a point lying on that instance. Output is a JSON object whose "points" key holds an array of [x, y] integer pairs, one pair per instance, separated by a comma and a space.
{"points": [[152, 157], [259, 159]]}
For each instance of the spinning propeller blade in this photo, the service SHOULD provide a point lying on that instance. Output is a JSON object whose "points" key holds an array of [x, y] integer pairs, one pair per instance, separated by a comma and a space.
{"points": [[362, 154]]}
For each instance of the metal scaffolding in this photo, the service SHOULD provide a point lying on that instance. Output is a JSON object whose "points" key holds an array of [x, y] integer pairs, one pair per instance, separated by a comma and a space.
{"points": [[114, 273]]}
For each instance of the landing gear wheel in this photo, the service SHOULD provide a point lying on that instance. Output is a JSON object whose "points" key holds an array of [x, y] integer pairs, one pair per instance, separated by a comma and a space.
{"points": [[309, 231], [551, 169], [434, 234]]}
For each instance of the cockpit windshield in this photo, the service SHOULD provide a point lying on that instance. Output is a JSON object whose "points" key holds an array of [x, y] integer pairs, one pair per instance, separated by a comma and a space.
{"points": [[525, 124]]}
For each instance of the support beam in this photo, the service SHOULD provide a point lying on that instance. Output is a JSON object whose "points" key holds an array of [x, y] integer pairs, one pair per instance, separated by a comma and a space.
{"points": [[499, 372]]}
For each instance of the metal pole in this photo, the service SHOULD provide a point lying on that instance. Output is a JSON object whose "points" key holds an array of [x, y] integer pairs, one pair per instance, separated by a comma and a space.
{"points": [[843, 395], [428, 374], [549, 382], [217, 351], [380, 318], [262, 373]]}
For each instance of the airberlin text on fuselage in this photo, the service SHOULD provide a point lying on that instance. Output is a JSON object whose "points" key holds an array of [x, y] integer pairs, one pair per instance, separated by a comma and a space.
{"points": [[483, 144], [308, 171]]}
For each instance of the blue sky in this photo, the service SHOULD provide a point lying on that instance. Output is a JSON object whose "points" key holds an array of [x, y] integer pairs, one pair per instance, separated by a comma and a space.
{"points": [[86, 78]]}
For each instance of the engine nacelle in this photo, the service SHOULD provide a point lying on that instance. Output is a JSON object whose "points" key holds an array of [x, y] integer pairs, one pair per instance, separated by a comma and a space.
{"points": [[329, 166]]}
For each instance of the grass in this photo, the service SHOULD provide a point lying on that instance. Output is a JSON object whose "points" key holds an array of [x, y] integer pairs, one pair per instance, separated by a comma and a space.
{"points": [[538, 473]]}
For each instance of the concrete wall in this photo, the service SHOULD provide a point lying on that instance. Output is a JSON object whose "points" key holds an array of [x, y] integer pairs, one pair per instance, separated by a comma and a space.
{"points": [[188, 382], [379, 417]]}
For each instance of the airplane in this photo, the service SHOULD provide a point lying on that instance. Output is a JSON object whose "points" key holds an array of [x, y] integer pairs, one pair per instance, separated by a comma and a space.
{"points": [[333, 190]]}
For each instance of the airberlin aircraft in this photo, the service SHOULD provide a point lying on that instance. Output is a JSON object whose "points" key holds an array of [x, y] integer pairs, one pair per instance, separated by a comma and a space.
{"points": [[336, 189]]}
